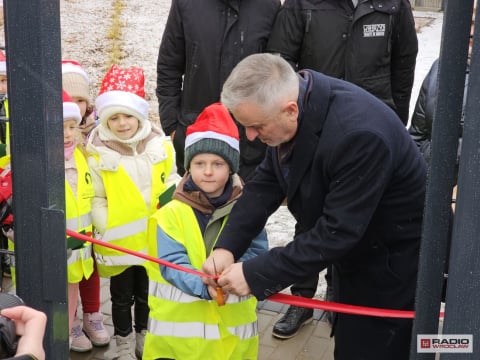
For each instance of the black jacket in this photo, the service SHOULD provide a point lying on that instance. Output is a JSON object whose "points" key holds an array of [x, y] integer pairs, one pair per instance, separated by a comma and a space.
{"points": [[422, 117], [202, 42], [356, 187], [373, 45]]}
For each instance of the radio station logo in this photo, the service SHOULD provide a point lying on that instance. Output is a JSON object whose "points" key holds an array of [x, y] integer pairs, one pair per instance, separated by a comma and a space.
{"points": [[433, 343]]}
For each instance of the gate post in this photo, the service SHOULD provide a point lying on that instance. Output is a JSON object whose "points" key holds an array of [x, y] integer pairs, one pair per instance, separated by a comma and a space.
{"points": [[33, 48]]}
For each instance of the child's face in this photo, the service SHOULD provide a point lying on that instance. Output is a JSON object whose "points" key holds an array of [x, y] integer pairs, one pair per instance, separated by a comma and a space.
{"points": [[70, 129], [210, 173], [124, 126], [82, 104], [3, 84]]}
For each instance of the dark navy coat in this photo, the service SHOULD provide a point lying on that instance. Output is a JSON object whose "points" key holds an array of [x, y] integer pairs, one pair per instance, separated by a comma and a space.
{"points": [[356, 189]]}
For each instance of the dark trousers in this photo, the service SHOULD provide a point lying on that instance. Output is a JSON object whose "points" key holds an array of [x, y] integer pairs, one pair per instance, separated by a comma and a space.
{"points": [[127, 289], [372, 338]]}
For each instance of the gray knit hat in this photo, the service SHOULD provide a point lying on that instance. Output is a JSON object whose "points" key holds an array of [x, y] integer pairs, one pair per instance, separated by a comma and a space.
{"points": [[213, 132]]}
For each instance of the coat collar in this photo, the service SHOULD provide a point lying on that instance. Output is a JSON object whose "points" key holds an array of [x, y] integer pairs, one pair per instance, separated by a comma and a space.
{"points": [[314, 95]]}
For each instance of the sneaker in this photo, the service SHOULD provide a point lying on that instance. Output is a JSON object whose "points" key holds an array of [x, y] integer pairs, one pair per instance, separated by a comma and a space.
{"points": [[95, 330], [79, 342], [124, 350], [139, 343], [293, 320]]}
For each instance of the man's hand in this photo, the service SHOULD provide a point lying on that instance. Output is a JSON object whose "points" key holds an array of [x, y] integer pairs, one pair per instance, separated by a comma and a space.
{"points": [[233, 281], [223, 259]]}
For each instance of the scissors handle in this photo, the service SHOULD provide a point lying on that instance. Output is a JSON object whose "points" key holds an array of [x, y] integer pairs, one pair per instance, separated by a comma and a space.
{"points": [[220, 299]]}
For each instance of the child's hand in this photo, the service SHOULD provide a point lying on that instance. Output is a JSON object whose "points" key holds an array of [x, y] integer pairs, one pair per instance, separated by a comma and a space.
{"points": [[8, 233]]}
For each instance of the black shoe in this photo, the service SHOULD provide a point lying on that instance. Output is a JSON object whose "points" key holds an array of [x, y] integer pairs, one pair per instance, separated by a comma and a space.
{"points": [[291, 322]]}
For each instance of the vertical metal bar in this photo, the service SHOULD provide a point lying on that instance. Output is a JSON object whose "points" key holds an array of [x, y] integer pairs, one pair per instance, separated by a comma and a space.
{"points": [[33, 46], [436, 226], [461, 310]]}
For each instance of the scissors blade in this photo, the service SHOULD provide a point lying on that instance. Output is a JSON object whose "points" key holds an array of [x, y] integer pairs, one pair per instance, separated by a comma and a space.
{"points": [[214, 267]]}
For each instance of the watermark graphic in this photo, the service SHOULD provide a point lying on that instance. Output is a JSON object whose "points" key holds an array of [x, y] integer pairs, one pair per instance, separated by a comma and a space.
{"points": [[434, 343]]}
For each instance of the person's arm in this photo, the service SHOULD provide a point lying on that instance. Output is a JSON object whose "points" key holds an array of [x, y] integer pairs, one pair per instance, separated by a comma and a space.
{"points": [[287, 33], [359, 164], [30, 326], [99, 202], [170, 70], [174, 252], [404, 54], [422, 119]]}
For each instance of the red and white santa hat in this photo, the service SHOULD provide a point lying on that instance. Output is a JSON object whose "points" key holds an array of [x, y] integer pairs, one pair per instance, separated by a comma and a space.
{"points": [[3, 63], [122, 91], [70, 108], [75, 80], [214, 132]]}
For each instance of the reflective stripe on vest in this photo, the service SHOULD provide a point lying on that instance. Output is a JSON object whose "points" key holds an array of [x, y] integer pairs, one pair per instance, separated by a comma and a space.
{"points": [[81, 222], [125, 260], [83, 253], [194, 329], [125, 230]]}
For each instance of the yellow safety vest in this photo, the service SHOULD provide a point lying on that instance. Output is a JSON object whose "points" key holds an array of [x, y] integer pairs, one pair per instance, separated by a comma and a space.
{"points": [[7, 123], [79, 218], [128, 216], [7, 126], [181, 326]]}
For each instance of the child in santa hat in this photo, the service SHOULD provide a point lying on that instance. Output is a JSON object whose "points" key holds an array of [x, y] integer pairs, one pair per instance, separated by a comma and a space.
{"points": [[78, 196], [187, 319], [132, 164], [76, 83]]}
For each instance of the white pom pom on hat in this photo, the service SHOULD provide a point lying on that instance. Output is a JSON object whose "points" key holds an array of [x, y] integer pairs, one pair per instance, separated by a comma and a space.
{"points": [[70, 109]]}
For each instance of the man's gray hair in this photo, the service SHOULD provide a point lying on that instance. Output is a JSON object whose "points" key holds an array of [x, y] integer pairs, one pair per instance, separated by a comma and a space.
{"points": [[264, 79]]}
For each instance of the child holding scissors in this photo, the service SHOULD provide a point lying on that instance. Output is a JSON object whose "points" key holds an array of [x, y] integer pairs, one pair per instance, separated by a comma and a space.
{"points": [[184, 321]]}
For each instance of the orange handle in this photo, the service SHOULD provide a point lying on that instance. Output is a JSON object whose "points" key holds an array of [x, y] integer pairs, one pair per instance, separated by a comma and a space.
{"points": [[220, 300]]}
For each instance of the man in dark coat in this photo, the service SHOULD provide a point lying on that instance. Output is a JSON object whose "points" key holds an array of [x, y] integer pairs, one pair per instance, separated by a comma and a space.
{"points": [[372, 44], [354, 182], [202, 42]]}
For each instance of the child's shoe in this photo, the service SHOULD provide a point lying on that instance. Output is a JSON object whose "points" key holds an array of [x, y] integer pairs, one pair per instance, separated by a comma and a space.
{"points": [[139, 343], [95, 330], [79, 342], [125, 349]]}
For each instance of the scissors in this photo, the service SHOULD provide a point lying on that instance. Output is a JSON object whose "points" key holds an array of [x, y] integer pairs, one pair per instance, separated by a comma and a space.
{"points": [[220, 300]]}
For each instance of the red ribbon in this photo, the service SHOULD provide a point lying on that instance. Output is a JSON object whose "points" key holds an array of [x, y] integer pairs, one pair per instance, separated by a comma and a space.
{"points": [[134, 253], [281, 298]]}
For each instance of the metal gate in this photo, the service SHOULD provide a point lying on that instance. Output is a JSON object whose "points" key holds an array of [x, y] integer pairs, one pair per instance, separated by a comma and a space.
{"points": [[430, 4]]}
